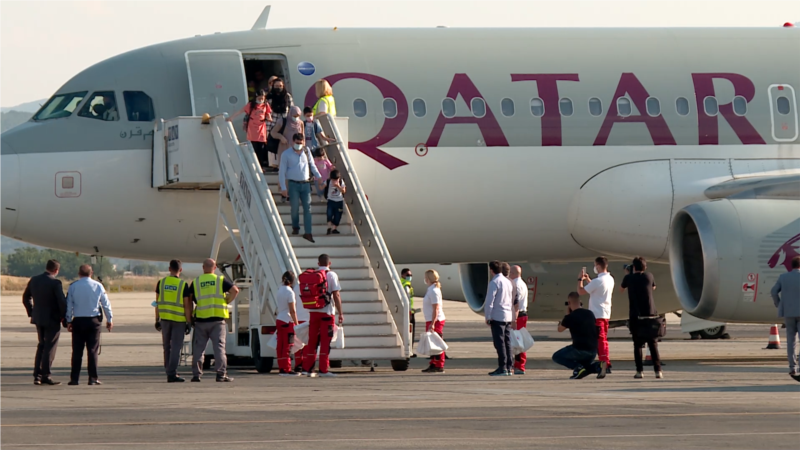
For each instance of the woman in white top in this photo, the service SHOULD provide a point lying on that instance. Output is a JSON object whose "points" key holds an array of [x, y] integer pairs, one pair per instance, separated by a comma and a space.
{"points": [[434, 316], [285, 322]]}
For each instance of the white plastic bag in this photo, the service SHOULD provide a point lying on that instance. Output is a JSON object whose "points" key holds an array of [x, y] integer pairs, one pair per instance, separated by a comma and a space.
{"points": [[297, 344], [521, 341], [338, 337], [423, 346], [431, 344], [301, 333], [273, 341], [527, 339]]}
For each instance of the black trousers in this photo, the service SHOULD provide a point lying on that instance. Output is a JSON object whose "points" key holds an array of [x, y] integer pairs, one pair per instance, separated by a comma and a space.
{"points": [[412, 320], [85, 334], [638, 343], [501, 335], [45, 350], [261, 152]]}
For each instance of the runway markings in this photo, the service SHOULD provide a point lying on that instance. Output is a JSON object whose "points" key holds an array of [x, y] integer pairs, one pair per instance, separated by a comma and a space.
{"points": [[400, 419]]}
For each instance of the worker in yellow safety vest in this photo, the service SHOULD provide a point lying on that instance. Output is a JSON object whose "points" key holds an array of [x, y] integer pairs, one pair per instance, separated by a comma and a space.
{"points": [[173, 306], [210, 312], [325, 103], [405, 279]]}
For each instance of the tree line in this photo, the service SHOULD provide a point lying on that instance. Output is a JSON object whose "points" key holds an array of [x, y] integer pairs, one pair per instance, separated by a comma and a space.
{"points": [[29, 261]]}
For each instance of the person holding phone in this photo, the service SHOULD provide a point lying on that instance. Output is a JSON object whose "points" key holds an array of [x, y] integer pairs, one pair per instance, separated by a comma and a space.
{"points": [[599, 290]]}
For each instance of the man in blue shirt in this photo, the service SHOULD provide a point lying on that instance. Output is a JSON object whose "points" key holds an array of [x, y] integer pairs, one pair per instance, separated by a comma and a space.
{"points": [[296, 167], [498, 309], [86, 303]]}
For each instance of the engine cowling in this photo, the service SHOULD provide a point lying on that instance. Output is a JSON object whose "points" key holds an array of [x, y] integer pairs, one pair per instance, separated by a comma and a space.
{"points": [[474, 284], [726, 254]]}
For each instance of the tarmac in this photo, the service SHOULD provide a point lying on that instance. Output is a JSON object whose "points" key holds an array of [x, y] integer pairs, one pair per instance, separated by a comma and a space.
{"points": [[726, 394]]}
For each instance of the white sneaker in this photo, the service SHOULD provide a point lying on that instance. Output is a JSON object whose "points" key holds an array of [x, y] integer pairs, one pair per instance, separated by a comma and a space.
{"points": [[311, 374], [328, 375], [659, 374], [638, 375]]}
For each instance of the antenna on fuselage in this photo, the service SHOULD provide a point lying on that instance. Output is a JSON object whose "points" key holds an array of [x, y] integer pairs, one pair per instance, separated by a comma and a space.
{"points": [[261, 22]]}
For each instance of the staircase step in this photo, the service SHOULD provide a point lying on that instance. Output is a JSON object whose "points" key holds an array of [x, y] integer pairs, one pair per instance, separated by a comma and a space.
{"points": [[320, 242], [374, 306], [379, 353], [316, 219], [367, 295], [369, 341], [338, 263], [334, 251], [357, 284], [316, 208], [352, 330], [321, 230], [358, 273], [356, 318]]}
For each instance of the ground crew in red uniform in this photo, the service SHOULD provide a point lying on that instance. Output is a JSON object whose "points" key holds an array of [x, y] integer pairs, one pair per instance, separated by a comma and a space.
{"points": [[520, 296], [319, 291], [174, 305]]}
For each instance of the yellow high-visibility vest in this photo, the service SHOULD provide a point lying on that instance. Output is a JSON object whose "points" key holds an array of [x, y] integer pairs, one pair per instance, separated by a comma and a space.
{"points": [[170, 299], [210, 298], [410, 291], [329, 102]]}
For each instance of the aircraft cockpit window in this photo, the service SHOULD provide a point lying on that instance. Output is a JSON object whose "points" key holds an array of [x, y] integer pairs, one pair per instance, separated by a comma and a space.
{"points": [[783, 105], [420, 109], [102, 105], [653, 106], [624, 107], [59, 106], [682, 106], [359, 107], [507, 107], [710, 106], [537, 107], [389, 108], [595, 106], [139, 106], [449, 107], [739, 105], [478, 107], [565, 107]]}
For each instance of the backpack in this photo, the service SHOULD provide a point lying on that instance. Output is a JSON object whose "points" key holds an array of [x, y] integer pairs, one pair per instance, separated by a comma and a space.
{"points": [[314, 289]]}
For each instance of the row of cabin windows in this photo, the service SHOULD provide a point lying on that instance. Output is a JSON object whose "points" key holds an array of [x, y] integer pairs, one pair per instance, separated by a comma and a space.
{"points": [[565, 106]]}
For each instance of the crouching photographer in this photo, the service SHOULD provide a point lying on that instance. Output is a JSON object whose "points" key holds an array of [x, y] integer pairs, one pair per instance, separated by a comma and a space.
{"points": [[581, 325]]}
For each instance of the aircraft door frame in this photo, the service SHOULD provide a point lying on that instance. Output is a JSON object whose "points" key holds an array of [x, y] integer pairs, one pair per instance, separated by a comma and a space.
{"points": [[784, 126], [230, 83]]}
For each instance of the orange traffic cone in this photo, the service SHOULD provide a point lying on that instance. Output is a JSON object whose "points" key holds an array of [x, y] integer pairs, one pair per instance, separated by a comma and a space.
{"points": [[774, 339]]}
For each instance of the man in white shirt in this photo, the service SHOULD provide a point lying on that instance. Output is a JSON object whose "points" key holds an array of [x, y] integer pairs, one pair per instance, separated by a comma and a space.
{"points": [[520, 313], [599, 290], [498, 309], [320, 329]]}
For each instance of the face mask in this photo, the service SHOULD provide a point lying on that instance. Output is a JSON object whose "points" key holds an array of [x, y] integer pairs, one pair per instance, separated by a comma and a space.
{"points": [[309, 119], [298, 147], [276, 90], [595, 269], [259, 102], [408, 278], [295, 119]]}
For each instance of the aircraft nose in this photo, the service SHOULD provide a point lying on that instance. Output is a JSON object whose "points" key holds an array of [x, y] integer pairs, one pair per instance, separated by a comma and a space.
{"points": [[9, 188]]}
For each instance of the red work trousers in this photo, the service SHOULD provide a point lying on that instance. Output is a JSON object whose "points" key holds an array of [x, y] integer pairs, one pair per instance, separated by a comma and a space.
{"points": [[320, 332], [602, 339], [285, 342], [522, 358], [298, 355], [437, 360]]}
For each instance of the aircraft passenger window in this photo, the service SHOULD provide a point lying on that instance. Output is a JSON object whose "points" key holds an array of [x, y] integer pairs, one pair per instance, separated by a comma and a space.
{"points": [[710, 106], [595, 106], [449, 107], [682, 106], [139, 106], [359, 107], [624, 107], [389, 108], [537, 107], [565, 106], [653, 106], [102, 105], [420, 109], [59, 106], [478, 107], [739, 105], [783, 105], [507, 107]]}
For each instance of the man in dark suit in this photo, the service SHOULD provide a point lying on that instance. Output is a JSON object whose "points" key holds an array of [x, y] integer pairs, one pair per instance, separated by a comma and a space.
{"points": [[46, 306]]}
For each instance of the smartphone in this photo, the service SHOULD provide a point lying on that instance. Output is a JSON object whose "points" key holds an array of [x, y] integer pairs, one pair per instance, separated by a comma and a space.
{"points": [[583, 270]]}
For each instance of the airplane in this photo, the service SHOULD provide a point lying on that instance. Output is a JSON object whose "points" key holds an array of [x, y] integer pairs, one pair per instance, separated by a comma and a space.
{"points": [[537, 145]]}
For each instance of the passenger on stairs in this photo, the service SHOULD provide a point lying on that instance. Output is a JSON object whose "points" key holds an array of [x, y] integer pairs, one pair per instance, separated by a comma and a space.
{"points": [[294, 125], [285, 322], [278, 98], [324, 166], [320, 330], [296, 169], [434, 316], [334, 191], [257, 115]]}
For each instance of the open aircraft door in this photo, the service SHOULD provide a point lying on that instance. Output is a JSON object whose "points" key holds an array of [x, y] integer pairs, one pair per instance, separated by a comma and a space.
{"points": [[783, 113], [216, 81]]}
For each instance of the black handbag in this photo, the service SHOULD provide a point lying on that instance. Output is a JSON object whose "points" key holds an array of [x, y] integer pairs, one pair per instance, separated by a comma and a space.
{"points": [[272, 143], [651, 327]]}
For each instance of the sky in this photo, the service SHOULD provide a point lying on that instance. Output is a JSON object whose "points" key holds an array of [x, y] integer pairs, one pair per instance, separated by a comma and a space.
{"points": [[44, 43]]}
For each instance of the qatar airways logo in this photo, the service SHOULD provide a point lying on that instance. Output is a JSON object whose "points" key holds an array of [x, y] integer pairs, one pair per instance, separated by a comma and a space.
{"points": [[785, 253], [546, 88]]}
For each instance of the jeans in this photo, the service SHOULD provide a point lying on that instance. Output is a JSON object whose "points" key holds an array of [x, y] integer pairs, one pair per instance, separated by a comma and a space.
{"points": [[572, 358], [300, 192], [335, 210], [792, 326], [501, 335]]}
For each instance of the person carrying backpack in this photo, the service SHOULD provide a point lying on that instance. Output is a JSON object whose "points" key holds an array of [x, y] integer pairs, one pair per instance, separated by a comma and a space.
{"points": [[319, 292]]}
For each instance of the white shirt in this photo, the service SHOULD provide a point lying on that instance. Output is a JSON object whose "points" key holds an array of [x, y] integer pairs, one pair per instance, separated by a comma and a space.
{"points": [[285, 297], [520, 293], [600, 290], [433, 296], [499, 302], [334, 193], [300, 310], [333, 286]]}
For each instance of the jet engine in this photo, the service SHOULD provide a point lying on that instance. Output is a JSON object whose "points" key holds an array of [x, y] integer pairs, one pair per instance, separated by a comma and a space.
{"points": [[474, 284], [725, 255]]}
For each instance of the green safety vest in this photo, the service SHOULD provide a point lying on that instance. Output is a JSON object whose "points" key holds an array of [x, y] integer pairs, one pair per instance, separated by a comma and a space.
{"points": [[210, 298], [170, 299], [410, 291], [329, 102]]}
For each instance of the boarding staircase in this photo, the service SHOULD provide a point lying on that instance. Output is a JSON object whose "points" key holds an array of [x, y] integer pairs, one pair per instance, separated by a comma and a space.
{"points": [[374, 303]]}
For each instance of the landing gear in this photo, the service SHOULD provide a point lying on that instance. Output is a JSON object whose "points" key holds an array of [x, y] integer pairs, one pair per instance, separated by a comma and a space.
{"points": [[263, 364], [335, 363], [717, 332], [400, 365]]}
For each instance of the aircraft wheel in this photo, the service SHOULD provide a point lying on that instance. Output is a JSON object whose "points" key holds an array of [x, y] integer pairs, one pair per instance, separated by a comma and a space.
{"points": [[400, 365], [262, 364], [712, 333]]}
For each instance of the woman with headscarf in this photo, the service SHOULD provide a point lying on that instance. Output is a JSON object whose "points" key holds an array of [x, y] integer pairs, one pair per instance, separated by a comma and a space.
{"points": [[279, 99], [284, 131]]}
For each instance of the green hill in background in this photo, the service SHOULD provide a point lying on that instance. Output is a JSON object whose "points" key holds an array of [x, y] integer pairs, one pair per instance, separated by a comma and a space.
{"points": [[11, 119]]}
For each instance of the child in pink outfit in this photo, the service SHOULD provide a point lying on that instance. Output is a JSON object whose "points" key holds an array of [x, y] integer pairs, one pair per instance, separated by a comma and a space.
{"points": [[324, 166]]}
